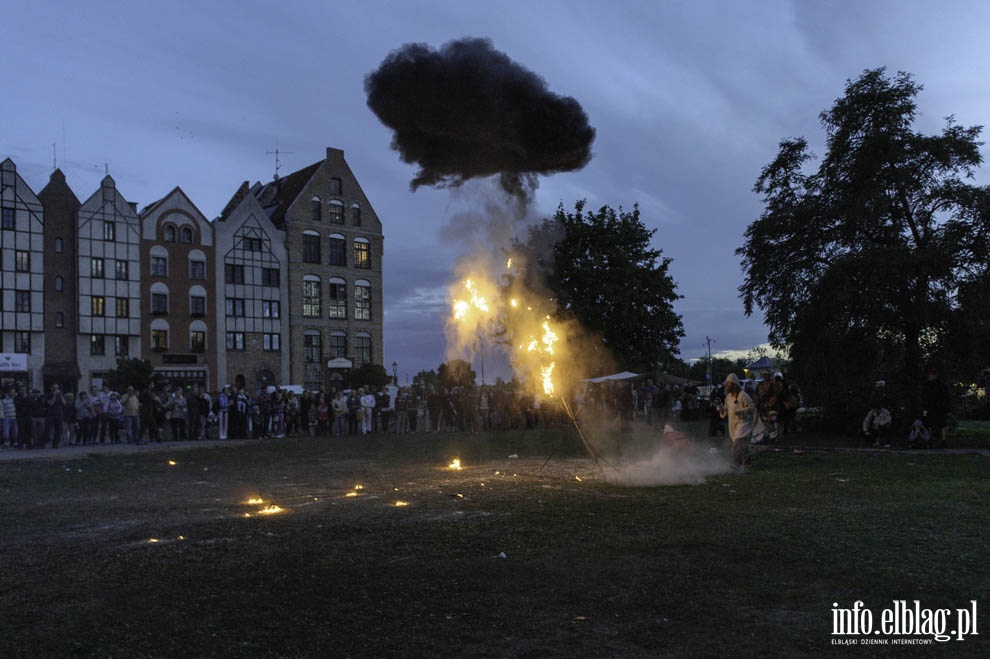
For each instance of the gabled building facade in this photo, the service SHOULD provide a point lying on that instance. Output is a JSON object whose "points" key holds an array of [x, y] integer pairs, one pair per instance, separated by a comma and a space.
{"points": [[178, 261], [22, 281], [251, 309], [109, 272], [335, 245], [61, 283]]}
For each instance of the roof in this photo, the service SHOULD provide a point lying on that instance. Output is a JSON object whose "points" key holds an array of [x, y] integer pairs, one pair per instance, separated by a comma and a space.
{"points": [[277, 196], [761, 363]]}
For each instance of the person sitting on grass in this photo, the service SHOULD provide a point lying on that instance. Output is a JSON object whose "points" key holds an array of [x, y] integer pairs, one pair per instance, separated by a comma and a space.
{"points": [[877, 425], [920, 436]]}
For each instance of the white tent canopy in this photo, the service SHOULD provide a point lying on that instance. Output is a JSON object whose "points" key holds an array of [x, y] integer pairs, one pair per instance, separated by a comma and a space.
{"points": [[624, 375]]}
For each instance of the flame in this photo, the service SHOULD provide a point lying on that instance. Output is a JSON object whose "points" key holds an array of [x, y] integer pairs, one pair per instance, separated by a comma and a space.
{"points": [[401, 504], [270, 510], [481, 308], [475, 300], [171, 463], [544, 346], [359, 487], [456, 464], [256, 501]]}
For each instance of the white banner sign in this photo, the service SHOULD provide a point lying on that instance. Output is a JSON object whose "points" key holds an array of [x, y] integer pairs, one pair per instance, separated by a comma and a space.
{"points": [[13, 362]]}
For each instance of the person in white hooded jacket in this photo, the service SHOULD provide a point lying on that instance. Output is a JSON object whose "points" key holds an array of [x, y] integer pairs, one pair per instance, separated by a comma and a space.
{"points": [[367, 411], [740, 412]]}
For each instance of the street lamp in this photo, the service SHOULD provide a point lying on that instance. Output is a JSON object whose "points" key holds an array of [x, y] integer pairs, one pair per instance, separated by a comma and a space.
{"points": [[395, 373]]}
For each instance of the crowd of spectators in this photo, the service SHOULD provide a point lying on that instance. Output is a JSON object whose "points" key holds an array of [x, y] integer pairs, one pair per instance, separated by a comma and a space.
{"points": [[32, 419]]}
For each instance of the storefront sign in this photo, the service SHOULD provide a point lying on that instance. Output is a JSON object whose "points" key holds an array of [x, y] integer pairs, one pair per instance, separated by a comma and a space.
{"points": [[13, 362]]}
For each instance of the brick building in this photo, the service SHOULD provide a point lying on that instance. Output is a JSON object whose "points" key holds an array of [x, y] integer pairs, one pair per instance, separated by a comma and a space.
{"points": [[178, 262], [61, 283], [284, 287], [334, 243]]}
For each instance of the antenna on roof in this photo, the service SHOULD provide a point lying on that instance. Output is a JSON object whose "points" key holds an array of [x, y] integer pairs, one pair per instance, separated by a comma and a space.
{"points": [[278, 163], [54, 158]]}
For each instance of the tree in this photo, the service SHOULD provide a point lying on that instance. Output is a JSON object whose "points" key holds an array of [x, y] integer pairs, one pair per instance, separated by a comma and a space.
{"points": [[856, 265], [370, 375], [600, 271], [130, 372], [456, 373]]}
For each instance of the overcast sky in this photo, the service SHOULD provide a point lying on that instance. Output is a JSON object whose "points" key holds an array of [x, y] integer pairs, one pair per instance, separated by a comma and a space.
{"points": [[688, 99]]}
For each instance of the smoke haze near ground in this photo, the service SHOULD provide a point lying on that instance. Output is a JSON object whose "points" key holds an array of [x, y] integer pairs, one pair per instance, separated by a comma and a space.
{"points": [[467, 111], [645, 455]]}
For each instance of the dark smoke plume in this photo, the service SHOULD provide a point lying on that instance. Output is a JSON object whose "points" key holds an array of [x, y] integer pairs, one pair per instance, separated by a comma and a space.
{"points": [[469, 111]]}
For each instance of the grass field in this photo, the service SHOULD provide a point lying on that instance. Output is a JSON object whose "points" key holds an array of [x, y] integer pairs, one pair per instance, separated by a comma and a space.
{"points": [[382, 550]]}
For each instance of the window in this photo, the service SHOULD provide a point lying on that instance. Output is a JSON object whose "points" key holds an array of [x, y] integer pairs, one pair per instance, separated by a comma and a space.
{"points": [[272, 342], [22, 261], [312, 350], [271, 309], [123, 307], [251, 243], [159, 303], [362, 350], [121, 270], [109, 231], [336, 212], [335, 186], [96, 268], [338, 345], [197, 269], [310, 248], [356, 215], [233, 274], [362, 301], [170, 234], [270, 277], [59, 284], [22, 341], [58, 245], [97, 344], [316, 209], [9, 218], [121, 345], [311, 299], [197, 305], [197, 341], [159, 266], [338, 251], [338, 299], [98, 305], [59, 319], [22, 301], [235, 306], [187, 235], [159, 340], [362, 253], [235, 340]]}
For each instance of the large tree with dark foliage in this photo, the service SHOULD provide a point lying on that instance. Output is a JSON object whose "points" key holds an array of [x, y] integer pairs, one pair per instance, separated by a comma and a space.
{"points": [[600, 270], [857, 265], [130, 372]]}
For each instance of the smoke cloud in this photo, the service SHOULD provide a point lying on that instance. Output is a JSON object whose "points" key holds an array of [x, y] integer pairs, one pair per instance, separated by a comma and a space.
{"points": [[468, 111]]}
